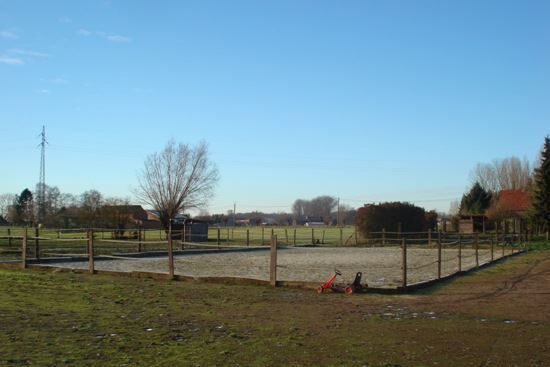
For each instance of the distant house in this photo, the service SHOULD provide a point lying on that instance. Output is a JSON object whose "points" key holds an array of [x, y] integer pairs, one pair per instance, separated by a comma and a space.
{"points": [[242, 222], [511, 209], [513, 203], [135, 214], [314, 224]]}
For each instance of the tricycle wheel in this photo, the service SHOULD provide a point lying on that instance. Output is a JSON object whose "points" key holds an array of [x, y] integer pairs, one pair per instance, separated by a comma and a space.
{"points": [[349, 290]]}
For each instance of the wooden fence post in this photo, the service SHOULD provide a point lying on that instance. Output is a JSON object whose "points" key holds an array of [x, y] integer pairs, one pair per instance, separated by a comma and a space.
{"points": [[263, 235], [24, 250], [218, 238], [492, 250], [182, 234], [247, 237], [404, 261], [9, 237], [273, 262], [477, 249], [294, 236], [399, 230], [341, 237], [312, 236], [143, 239], [355, 233], [37, 243], [429, 237], [383, 236], [91, 264], [439, 254], [459, 253], [170, 253], [139, 239], [286, 236]]}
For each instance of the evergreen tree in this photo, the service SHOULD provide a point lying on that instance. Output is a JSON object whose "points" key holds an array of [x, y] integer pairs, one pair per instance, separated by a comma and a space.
{"points": [[24, 207], [541, 192], [476, 201]]}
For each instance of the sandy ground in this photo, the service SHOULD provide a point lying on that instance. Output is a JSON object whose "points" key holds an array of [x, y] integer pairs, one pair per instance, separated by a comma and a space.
{"points": [[381, 267]]}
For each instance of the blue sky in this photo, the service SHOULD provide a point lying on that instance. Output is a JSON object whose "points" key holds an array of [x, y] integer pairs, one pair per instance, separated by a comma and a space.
{"points": [[362, 100]]}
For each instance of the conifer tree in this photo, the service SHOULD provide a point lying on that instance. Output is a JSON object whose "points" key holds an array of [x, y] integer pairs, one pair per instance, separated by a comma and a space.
{"points": [[476, 201], [541, 192]]}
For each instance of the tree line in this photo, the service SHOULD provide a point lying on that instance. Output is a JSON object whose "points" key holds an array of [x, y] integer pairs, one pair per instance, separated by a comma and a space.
{"points": [[509, 174], [64, 210]]}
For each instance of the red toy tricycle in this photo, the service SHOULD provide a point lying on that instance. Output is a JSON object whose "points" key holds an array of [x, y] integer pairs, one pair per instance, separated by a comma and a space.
{"points": [[349, 289]]}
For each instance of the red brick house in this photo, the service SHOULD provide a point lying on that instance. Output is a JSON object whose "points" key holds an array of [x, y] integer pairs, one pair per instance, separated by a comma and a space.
{"points": [[511, 209]]}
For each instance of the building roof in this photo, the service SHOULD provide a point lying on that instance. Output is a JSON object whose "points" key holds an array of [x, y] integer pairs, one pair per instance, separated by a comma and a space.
{"points": [[514, 200]]}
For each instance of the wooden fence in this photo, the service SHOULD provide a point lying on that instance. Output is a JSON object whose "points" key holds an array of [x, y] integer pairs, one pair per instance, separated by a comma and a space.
{"points": [[92, 244]]}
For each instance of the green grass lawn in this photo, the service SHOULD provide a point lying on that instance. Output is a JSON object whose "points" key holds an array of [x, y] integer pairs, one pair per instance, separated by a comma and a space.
{"points": [[69, 319]]}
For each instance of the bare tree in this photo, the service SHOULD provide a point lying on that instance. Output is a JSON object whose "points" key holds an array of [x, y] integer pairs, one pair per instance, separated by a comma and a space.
{"points": [[486, 175], [319, 208], [179, 177], [503, 174], [90, 205], [454, 207], [343, 214], [6, 201], [299, 209]]}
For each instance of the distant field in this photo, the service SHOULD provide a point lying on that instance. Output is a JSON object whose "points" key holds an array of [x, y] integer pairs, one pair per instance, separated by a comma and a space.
{"points": [[258, 235]]}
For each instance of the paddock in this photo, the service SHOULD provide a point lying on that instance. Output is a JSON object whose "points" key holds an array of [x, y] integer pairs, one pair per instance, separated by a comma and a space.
{"points": [[386, 260], [381, 267]]}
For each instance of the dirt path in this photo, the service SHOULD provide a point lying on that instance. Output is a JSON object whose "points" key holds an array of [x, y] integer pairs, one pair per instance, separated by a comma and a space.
{"points": [[520, 293]]}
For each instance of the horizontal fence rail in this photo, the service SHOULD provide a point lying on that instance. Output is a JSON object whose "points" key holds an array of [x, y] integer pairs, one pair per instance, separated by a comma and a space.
{"points": [[387, 259]]}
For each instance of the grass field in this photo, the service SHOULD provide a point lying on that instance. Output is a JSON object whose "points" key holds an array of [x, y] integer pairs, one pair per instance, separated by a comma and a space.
{"points": [[499, 316], [258, 235]]}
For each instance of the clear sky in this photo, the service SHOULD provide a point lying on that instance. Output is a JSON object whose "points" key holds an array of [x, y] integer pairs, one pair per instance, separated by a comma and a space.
{"points": [[362, 100]]}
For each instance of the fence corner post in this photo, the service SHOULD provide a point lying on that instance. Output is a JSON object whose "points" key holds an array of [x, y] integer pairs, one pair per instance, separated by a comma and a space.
{"points": [[273, 262]]}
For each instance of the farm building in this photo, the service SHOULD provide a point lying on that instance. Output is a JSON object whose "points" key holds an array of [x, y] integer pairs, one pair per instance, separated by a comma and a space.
{"points": [[472, 223], [511, 209], [193, 230]]}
